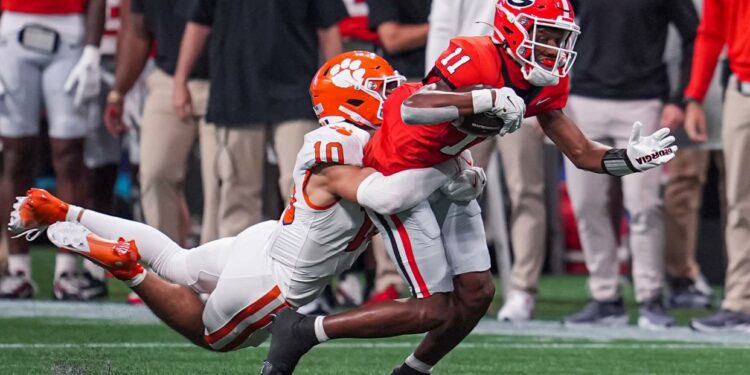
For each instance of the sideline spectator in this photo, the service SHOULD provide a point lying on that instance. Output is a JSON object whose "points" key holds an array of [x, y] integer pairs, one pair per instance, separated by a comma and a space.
{"points": [[620, 77], [683, 196], [725, 24], [50, 54], [265, 55], [402, 26], [355, 29], [166, 139]]}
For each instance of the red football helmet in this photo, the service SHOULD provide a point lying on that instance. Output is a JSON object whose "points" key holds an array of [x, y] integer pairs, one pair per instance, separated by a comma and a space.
{"points": [[518, 26], [352, 87]]}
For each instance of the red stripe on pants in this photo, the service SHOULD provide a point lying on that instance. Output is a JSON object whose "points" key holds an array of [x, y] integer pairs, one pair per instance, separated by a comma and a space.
{"points": [[410, 256], [242, 315]]}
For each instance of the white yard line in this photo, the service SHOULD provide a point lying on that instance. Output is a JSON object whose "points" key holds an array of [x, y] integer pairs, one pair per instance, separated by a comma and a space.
{"points": [[390, 345], [127, 314]]}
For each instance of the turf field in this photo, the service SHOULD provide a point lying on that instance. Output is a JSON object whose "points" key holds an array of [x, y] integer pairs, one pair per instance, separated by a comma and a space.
{"points": [[111, 338]]}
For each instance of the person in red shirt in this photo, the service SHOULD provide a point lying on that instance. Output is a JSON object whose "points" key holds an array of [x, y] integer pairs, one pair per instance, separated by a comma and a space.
{"points": [[725, 24], [440, 247]]}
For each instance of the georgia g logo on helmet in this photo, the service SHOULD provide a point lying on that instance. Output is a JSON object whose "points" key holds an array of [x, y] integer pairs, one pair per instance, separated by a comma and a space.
{"points": [[520, 3]]}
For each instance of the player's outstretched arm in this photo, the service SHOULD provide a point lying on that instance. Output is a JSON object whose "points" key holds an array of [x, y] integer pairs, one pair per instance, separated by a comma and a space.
{"points": [[436, 103], [643, 153], [385, 195]]}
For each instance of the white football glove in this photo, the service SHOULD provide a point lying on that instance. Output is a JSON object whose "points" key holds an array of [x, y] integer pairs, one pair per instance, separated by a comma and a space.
{"points": [[467, 186], [651, 151], [510, 108], [86, 76]]}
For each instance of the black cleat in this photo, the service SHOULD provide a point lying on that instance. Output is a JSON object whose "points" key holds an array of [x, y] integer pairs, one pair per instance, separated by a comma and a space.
{"points": [[292, 335], [268, 369]]}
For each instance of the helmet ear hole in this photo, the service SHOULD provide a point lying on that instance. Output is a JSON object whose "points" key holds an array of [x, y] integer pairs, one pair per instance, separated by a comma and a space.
{"points": [[355, 102]]}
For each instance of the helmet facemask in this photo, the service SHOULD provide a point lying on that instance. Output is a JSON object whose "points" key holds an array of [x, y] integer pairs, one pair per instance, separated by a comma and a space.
{"points": [[566, 36], [544, 60], [380, 88]]}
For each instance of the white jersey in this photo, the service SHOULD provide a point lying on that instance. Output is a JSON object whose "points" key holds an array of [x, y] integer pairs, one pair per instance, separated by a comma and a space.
{"points": [[313, 243]]}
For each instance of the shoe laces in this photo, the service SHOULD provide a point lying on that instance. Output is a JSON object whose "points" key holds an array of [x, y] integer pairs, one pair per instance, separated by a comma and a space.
{"points": [[30, 234]]}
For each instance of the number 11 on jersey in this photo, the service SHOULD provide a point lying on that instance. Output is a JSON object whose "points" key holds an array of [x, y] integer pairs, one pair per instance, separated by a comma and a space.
{"points": [[457, 63]]}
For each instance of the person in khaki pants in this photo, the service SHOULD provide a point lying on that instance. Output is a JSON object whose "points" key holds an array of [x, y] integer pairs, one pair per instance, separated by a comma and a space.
{"points": [[723, 25], [166, 142], [682, 203], [233, 161], [523, 168], [683, 192], [260, 75], [166, 139]]}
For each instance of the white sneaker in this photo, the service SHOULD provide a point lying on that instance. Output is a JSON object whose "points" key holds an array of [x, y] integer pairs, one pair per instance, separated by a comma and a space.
{"points": [[518, 307]]}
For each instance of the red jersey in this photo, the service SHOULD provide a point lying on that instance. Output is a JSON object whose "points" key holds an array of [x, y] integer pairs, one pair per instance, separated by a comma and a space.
{"points": [[722, 24], [468, 61], [44, 6]]}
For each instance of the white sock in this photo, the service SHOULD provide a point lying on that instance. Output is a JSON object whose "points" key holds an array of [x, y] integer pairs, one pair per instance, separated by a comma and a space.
{"points": [[418, 365], [65, 263], [73, 212], [19, 263], [95, 271], [134, 282], [320, 333]]}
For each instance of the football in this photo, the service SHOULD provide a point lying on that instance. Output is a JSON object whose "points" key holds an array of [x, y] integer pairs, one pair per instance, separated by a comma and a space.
{"points": [[482, 124]]}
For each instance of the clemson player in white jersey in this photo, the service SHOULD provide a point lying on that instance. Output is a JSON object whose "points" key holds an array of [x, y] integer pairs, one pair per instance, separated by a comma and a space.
{"points": [[272, 264]]}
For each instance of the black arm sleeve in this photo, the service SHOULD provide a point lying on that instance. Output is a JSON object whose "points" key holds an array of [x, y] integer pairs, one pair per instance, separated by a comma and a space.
{"points": [[683, 15]]}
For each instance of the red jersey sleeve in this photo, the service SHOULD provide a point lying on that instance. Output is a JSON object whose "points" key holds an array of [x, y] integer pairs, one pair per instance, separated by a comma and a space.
{"points": [[708, 46], [465, 63]]}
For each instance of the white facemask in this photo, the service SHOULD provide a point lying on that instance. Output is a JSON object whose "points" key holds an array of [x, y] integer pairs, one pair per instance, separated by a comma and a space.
{"points": [[540, 77]]}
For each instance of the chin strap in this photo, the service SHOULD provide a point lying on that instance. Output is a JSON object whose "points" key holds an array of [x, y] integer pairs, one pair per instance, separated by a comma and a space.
{"points": [[538, 77]]}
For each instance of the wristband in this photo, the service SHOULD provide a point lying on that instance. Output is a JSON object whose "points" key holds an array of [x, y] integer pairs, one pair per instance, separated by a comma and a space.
{"points": [[615, 162], [481, 100], [114, 97]]}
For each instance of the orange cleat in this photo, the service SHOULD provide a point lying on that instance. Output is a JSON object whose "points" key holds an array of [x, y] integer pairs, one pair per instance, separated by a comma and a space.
{"points": [[118, 257], [35, 212]]}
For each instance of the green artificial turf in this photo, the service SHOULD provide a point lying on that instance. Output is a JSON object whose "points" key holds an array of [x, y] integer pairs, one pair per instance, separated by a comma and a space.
{"points": [[36, 345]]}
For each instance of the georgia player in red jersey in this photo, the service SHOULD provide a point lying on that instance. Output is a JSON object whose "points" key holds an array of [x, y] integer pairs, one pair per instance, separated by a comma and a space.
{"points": [[530, 53]]}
